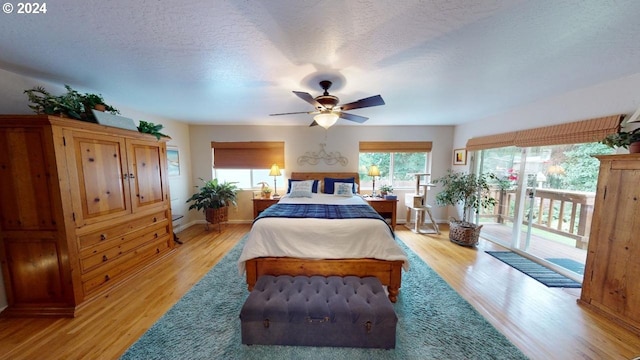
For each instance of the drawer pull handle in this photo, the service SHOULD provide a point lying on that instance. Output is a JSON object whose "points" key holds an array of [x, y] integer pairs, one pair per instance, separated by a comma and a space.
{"points": [[131, 176], [157, 251], [103, 237], [155, 219], [104, 258], [107, 278], [155, 236]]}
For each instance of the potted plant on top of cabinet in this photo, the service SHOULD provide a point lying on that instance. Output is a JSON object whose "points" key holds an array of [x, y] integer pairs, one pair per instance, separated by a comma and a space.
{"points": [[625, 139], [472, 192], [214, 199]]}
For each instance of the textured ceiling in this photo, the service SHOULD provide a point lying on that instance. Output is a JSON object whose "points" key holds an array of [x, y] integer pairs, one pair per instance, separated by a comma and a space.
{"points": [[435, 62]]}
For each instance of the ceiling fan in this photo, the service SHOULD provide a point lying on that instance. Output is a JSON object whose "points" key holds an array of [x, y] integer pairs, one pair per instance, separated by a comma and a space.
{"points": [[327, 111]]}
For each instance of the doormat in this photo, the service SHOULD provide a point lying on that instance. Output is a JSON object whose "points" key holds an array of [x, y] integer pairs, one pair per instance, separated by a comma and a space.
{"points": [[568, 264], [543, 274]]}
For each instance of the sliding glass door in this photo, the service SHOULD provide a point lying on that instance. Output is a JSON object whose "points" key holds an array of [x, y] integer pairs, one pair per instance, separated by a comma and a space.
{"points": [[545, 201]]}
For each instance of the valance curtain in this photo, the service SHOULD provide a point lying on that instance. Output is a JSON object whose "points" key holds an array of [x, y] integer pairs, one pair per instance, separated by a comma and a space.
{"points": [[248, 155], [395, 146], [584, 131]]}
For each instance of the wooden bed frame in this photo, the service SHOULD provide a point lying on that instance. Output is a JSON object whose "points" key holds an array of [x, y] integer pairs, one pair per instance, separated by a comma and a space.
{"points": [[388, 272]]}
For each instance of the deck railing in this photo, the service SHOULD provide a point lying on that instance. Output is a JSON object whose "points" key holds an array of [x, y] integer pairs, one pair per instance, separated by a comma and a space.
{"points": [[562, 212]]}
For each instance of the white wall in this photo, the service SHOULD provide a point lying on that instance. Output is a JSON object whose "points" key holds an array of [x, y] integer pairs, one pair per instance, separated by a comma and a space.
{"points": [[621, 96], [301, 139]]}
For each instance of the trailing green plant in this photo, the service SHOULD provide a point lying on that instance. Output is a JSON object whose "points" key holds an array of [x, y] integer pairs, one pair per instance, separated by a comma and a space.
{"points": [[470, 190], [622, 138], [72, 104], [151, 128], [214, 195], [90, 101]]}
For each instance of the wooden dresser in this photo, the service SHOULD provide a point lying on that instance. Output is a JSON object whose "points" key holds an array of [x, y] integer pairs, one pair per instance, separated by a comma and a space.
{"points": [[83, 208], [611, 285]]}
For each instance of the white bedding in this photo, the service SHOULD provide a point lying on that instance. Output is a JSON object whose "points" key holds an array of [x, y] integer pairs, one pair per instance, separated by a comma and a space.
{"points": [[321, 238]]}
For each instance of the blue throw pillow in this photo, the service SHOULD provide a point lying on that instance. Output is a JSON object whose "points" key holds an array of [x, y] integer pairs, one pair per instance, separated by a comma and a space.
{"points": [[314, 188], [329, 184]]}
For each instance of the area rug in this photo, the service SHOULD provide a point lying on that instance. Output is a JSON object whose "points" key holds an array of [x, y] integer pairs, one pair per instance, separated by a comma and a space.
{"points": [[568, 264], [434, 322], [543, 274]]}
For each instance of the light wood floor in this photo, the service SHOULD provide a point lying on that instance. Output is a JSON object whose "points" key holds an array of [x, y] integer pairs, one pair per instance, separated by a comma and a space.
{"points": [[544, 323]]}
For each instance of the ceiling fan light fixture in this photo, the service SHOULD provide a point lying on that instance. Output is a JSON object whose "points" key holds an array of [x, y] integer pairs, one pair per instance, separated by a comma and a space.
{"points": [[326, 119]]}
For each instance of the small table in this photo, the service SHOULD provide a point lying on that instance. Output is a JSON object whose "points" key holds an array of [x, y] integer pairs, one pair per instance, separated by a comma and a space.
{"points": [[386, 208], [260, 204]]}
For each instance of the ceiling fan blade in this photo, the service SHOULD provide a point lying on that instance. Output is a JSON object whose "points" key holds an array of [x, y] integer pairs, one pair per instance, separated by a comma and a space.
{"points": [[351, 117], [292, 113], [362, 103], [314, 123], [308, 98]]}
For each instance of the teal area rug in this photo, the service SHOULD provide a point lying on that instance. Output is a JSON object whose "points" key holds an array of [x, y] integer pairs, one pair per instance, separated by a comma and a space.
{"points": [[434, 322], [568, 264], [541, 273]]}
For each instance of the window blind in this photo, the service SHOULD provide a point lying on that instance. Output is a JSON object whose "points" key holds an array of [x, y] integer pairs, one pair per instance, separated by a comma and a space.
{"points": [[583, 131], [395, 146], [248, 155]]}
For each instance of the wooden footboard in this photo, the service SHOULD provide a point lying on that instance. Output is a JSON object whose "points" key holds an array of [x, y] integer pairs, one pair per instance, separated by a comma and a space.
{"points": [[388, 272]]}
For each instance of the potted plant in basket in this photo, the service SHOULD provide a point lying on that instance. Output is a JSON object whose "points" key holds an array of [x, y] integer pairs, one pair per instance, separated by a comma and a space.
{"points": [[214, 199], [472, 192]]}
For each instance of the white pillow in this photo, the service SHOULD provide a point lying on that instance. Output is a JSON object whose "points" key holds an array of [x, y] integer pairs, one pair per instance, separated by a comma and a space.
{"points": [[343, 189], [301, 189]]}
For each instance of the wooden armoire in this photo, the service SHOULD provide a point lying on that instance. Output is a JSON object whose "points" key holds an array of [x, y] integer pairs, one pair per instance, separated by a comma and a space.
{"points": [[611, 283], [83, 207]]}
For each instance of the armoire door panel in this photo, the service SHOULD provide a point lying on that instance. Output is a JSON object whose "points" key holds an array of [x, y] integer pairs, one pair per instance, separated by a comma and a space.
{"points": [[102, 177], [146, 163]]}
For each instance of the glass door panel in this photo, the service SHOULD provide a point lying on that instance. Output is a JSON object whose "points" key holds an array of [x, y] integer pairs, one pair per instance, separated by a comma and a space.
{"points": [[545, 198]]}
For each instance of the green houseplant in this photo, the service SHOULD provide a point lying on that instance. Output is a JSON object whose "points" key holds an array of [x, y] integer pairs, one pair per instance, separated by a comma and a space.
{"points": [[72, 104], [385, 189], [472, 192], [214, 198], [625, 139], [151, 128]]}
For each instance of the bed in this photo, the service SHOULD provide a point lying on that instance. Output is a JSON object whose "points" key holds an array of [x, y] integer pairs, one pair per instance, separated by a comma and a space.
{"points": [[318, 246]]}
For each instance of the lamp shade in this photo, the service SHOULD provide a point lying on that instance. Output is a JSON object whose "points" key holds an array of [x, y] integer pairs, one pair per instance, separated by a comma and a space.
{"points": [[326, 119], [374, 171], [275, 170]]}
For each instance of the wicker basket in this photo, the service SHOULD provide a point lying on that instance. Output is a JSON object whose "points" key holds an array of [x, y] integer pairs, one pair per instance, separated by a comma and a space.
{"points": [[464, 233], [217, 216]]}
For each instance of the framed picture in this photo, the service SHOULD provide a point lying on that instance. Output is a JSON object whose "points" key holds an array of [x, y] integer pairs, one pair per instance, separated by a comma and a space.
{"points": [[460, 157], [173, 158]]}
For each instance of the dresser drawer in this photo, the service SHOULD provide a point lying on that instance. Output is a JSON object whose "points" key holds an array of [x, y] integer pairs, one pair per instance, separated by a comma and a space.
{"points": [[118, 270], [117, 231], [382, 206], [100, 255]]}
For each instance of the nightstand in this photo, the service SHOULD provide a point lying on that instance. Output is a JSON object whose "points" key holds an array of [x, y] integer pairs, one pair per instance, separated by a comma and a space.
{"points": [[386, 208], [260, 204]]}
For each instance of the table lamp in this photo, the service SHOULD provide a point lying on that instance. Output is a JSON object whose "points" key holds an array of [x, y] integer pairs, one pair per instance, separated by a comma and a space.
{"points": [[373, 172], [275, 171]]}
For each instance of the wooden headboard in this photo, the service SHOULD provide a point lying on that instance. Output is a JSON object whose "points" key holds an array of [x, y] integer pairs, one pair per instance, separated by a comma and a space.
{"points": [[321, 175]]}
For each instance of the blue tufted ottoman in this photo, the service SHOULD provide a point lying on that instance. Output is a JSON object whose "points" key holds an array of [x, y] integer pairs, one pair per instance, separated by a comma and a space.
{"points": [[319, 311]]}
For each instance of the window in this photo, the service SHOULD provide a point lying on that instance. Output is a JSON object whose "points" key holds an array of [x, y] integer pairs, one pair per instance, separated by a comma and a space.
{"points": [[397, 161], [247, 163], [247, 178]]}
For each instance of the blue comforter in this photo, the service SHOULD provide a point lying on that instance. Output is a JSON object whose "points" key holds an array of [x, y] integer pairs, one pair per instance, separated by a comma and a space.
{"points": [[321, 211]]}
